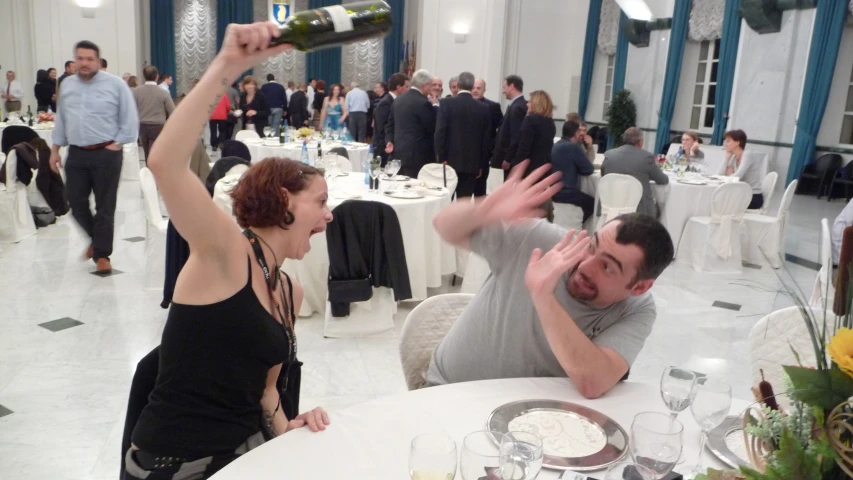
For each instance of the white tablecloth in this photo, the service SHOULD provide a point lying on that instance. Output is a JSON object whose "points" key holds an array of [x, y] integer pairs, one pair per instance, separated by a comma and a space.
{"points": [[427, 256], [357, 151], [45, 134], [371, 440]]}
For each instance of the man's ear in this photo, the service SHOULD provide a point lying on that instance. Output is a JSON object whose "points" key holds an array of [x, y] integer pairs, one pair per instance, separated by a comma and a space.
{"points": [[642, 287]]}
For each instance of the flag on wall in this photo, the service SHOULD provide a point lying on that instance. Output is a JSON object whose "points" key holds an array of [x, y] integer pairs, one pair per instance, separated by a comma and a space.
{"points": [[279, 11]]}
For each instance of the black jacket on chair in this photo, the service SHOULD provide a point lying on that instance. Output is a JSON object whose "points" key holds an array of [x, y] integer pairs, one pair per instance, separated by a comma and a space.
{"points": [[412, 128], [507, 141], [463, 133], [365, 242]]}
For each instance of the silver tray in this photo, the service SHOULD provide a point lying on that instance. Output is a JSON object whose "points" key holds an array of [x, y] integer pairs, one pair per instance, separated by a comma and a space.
{"points": [[718, 446], [615, 436]]}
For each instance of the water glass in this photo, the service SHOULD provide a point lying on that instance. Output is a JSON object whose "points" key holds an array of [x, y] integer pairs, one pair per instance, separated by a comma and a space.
{"points": [[267, 131], [628, 470], [432, 457], [480, 455], [395, 167], [677, 388], [522, 455], [656, 442], [332, 171], [709, 408]]}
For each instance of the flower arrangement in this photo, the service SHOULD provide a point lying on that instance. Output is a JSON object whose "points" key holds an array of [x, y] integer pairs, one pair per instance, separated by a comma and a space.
{"points": [[304, 132], [45, 117]]}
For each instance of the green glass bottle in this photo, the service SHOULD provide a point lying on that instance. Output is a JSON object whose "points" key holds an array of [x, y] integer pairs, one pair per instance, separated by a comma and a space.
{"points": [[336, 25]]}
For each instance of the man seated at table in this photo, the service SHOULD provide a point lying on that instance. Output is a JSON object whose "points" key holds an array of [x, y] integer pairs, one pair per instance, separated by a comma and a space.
{"points": [[631, 159], [555, 304]]}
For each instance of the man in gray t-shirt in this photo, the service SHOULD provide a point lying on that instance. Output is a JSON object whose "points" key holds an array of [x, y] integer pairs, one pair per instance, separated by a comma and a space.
{"points": [[556, 304]]}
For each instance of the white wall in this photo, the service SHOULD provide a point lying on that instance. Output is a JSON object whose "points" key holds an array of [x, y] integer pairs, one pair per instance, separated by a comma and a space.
{"points": [[16, 46]]}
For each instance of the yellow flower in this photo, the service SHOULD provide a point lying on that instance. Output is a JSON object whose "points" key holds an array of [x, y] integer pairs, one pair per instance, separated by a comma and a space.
{"points": [[840, 348]]}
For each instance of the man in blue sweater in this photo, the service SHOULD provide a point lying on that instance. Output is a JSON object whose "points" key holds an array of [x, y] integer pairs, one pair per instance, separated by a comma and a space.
{"points": [[274, 93], [569, 157]]}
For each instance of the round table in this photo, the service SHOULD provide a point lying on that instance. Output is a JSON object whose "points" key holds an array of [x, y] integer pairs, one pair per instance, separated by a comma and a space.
{"points": [[357, 151], [372, 440], [427, 256]]}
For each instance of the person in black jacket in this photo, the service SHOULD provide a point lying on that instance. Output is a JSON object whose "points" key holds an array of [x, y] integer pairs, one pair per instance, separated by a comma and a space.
{"points": [[496, 116], [317, 105], [297, 109], [410, 130], [397, 85], [45, 91], [462, 135], [536, 137], [254, 105], [507, 140]]}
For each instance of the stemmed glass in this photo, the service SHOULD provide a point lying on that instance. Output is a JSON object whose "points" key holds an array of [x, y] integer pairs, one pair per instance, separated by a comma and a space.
{"points": [[677, 388], [336, 134], [432, 457], [480, 455], [327, 133], [268, 131], [656, 442], [332, 171], [709, 408], [521, 456]]}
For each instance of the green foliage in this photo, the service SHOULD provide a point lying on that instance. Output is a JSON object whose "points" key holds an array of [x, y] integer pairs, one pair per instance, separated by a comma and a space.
{"points": [[822, 388], [799, 422], [794, 460], [621, 115]]}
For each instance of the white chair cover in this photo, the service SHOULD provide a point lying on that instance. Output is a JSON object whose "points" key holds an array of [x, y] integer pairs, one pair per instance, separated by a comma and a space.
{"points": [[768, 185], [771, 341], [155, 232], [424, 329], [765, 235], [246, 134], [344, 164], [495, 180], [618, 194], [568, 216], [824, 290], [476, 273], [366, 318], [223, 187], [434, 174], [16, 218], [130, 161], [712, 244]]}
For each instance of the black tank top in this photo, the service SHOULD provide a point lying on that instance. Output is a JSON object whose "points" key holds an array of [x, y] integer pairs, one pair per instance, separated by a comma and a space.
{"points": [[214, 361]]}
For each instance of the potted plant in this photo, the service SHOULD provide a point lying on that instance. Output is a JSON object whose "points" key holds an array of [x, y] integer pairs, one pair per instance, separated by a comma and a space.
{"points": [[621, 115]]}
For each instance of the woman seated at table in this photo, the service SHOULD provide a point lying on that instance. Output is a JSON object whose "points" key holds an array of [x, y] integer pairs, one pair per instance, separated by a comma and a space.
{"points": [[743, 166], [229, 335], [253, 103], [690, 144], [334, 109]]}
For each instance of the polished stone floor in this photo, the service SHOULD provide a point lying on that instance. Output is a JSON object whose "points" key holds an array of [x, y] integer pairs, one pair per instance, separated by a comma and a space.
{"points": [[70, 340]]}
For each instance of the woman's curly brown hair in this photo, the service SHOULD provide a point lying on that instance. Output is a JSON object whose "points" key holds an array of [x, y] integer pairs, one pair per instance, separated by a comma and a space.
{"points": [[259, 200]]}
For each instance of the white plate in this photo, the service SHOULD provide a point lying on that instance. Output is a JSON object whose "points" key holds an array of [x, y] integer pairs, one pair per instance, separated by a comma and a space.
{"points": [[692, 182], [406, 194], [397, 178]]}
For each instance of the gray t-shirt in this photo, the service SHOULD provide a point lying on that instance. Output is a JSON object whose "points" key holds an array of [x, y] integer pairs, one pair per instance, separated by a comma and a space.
{"points": [[499, 335]]}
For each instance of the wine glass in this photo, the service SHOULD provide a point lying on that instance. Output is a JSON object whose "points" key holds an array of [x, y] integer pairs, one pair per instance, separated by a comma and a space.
{"points": [[480, 455], [375, 172], [268, 131], [521, 456], [395, 166], [432, 457], [327, 133], [332, 170], [336, 134], [709, 409], [677, 388], [628, 470], [656, 442]]}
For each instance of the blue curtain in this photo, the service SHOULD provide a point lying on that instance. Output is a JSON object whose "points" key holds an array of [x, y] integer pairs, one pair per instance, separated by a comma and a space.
{"points": [[163, 37], [621, 59], [826, 39], [589, 44], [726, 69], [677, 38], [324, 64], [231, 11], [392, 53]]}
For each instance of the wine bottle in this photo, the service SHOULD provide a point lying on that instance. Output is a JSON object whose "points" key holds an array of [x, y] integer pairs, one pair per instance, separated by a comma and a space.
{"points": [[30, 115], [336, 25], [281, 134]]}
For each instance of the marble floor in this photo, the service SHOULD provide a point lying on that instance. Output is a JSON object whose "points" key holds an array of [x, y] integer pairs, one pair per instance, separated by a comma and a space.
{"points": [[70, 340]]}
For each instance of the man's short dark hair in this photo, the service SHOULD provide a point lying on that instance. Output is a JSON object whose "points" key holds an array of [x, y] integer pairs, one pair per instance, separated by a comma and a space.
{"points": [[270, 77], [103, 63], [164, 76], [738, 136], [150, 73], [570, 129], [515, 81], [652, 238], [384, 86], [68, 64], [87, 45], [396, 81]]}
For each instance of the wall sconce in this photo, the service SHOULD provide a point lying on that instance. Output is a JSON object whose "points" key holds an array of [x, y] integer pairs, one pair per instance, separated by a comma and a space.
{"points": [[460, 32], [766, 17], [638, 32], [635, 9], [88, 7]]}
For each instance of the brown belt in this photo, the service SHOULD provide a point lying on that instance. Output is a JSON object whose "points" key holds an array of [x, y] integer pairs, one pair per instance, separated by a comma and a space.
{"points": [[95, 147]]}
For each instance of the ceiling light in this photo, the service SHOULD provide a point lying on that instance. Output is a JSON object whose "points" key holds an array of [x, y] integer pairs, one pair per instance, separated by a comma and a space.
{"points": [[635, 9]]}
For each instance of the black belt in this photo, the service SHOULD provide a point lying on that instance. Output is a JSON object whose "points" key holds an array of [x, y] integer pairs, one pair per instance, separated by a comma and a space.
{"points": [[98, 146], [150, 461]]}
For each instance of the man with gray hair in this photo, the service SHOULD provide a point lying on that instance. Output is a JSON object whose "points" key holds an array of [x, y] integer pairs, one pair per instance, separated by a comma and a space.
{"points": [[463, 135], [631, 159], [454, 86], [411, 127], [357, 103]]}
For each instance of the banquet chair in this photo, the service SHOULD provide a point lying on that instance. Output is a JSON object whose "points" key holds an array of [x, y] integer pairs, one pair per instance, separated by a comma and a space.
{"points": [[476, 273], [768, 186], [16, 218], [765, 234], [155, 232], [15, 134], [344, 164], [246, 135], [773, 341], [568, 216], [824, 289], [821, 171], [425, 327], [618, 194], [130, 162], [340, 151], [439, 175], [712, 244], [845, 178]]}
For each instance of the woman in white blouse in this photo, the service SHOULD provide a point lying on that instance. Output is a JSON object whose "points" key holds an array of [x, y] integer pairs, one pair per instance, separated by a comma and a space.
{"points": [[744, 167]]}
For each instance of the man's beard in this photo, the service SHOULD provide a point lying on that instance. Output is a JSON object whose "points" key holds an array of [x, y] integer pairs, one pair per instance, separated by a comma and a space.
{"points": [[583, 297]]}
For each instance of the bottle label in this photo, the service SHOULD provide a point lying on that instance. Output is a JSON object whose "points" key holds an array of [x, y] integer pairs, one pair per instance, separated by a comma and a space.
{"points": [[340, 18]]}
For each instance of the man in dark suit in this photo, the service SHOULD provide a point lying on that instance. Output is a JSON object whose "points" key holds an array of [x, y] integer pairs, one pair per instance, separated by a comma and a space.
{"points": [[410, 130], [462, 135], [507, 141], [297, 107], [496, 118], [397, 85]]}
